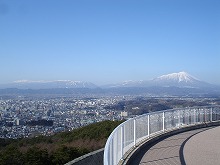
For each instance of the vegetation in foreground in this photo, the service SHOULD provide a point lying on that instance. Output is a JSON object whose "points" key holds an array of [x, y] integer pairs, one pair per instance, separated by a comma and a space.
{"points": [[58, 149]]}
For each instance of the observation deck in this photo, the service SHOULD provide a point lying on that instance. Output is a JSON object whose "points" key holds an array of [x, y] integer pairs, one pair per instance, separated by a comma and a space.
{"points": [[200, 146], [177, 136]]}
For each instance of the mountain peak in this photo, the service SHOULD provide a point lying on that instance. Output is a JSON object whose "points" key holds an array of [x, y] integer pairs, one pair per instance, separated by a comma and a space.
{"points": [[41, 84], [181, 79], [178, 77]]}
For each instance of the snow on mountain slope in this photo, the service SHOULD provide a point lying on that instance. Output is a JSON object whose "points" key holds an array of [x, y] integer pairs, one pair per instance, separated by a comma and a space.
{"points": [[27, 84], [181, 79], [178, 77]]}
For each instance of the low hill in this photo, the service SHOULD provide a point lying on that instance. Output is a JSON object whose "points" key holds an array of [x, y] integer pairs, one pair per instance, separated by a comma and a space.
{"points": [[57, 149]]}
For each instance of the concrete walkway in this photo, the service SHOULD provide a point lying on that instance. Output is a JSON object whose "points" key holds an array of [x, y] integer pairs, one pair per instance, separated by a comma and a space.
{"points": [[171, 150], [203, 148]]}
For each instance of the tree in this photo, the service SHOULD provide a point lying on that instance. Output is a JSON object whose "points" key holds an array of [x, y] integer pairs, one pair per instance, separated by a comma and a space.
{"points": [[11, 155], [35, 156]]}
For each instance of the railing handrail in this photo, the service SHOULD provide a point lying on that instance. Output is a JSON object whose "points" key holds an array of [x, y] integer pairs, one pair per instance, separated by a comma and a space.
{"points": [[120, 130]]}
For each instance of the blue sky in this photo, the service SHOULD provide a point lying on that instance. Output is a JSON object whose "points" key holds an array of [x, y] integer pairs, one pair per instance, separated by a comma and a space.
{"points": [[106, 41]]}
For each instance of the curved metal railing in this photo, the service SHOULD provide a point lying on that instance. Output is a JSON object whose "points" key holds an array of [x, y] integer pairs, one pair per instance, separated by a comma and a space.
{"points": [[134, 130]]}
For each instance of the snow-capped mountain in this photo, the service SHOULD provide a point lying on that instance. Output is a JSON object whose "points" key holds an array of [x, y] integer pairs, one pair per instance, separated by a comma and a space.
{"points": [[177, 77], [174, 84], [27, 84], [181, 79]]}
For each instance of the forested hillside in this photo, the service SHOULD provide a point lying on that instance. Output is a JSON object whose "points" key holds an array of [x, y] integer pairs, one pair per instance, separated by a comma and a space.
{"points": [[57, 149]]}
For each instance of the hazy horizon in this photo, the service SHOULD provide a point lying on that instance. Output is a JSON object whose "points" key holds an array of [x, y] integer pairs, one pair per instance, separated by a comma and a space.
{"points": [[106, 42], [99, 84]]}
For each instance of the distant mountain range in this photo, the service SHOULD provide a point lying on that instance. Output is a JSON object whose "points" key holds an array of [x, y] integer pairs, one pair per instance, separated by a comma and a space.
{"points": [[181, 79], [180, 83], [25, 84]]}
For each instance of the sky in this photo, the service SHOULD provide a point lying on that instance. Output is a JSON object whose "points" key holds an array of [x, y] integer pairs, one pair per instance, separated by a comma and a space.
{"points": [[108, 41]]}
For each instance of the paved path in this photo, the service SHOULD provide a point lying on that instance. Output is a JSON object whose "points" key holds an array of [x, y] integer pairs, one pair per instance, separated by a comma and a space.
{"points": [[171, 151], [203, 148]]}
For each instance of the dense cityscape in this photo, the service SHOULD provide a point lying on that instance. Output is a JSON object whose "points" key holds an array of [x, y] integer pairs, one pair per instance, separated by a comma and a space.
{"points": [[27, 118], [23, 117]]}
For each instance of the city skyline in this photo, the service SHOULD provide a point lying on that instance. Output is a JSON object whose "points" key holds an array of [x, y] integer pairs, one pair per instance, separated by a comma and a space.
{"points": [[108, 41]]}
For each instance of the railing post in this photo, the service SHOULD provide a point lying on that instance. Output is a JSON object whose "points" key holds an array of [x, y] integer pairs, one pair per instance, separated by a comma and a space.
{"points": [[122, 141], [111, 159], [211, 115], [178, 118], [134, 132], [194, 116], [163, 121], [190, 116], [148, 126], [217, 115], [199, 116]]}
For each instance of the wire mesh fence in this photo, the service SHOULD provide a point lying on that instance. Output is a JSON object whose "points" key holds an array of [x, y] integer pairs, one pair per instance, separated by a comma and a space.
{"points": [[134, 130]]}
